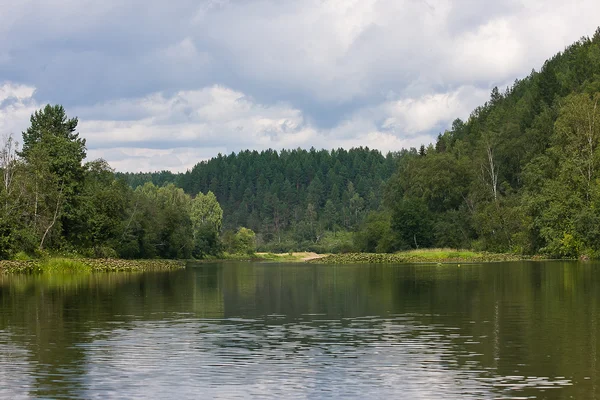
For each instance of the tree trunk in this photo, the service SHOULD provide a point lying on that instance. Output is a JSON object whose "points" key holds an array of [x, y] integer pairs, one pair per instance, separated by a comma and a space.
{"points": [[56, 212]]}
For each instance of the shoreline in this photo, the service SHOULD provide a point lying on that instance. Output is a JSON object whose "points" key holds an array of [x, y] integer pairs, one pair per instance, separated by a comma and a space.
{"points": [[302, 256], [294, 257], [428, 256], [425, 256], [74, 265]]}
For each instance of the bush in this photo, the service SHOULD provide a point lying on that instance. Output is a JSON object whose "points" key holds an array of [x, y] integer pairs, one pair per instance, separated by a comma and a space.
{"points": [[22, 256], [245, 241], [64, 265]]}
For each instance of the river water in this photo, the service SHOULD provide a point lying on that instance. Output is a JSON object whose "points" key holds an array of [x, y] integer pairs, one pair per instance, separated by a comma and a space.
{"points": [[258, 330]]}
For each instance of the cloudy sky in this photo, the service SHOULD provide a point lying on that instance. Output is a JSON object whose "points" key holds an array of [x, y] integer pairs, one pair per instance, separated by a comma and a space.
{"points": [[162, 85]]}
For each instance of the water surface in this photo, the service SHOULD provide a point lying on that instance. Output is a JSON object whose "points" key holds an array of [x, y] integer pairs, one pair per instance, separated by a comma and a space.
{"points": [[244, 330]]}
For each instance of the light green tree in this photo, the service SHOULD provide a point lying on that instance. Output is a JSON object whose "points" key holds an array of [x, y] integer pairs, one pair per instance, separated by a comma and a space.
{"points": [[245, 241], [207, 219], [206, 211]]}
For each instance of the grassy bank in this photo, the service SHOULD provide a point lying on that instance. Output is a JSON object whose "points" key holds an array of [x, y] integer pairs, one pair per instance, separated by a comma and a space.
{"points": [[67, 265], [412, 256], [418, 256]]}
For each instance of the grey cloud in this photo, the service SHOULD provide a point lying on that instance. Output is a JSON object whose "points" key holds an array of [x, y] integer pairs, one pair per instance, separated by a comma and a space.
{"points": [[140, 74], [326, 57]]}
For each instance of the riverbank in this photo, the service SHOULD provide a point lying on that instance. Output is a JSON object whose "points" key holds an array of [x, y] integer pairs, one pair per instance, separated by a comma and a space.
{"points": [[87, 265], [420, 256], [291, 257], [411, 256]]}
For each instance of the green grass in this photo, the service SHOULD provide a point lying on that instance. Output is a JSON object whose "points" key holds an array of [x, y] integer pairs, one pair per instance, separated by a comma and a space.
{"points": [[61, 265], [418, 256], [22, 256], [64, 265], [253, 257], [441, 254]]}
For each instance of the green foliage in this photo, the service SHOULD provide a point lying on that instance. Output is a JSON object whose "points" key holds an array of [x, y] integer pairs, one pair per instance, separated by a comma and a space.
{"points": [[291, 196], [57, 266], [54, 153], [50, 201], [206, 242], [161, 225], [334, 242], [244, 241], [207, 218], [376, 235], [206, 211], [64, 265], [21, 256], [417, 256], [412, 224]]}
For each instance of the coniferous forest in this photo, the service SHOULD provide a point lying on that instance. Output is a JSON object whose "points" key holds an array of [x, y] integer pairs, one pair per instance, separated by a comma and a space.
{"points": [[293, 200], [520, 175]]}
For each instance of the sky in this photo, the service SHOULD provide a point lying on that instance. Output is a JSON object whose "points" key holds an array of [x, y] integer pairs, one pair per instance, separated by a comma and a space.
{"points": [[163, 85]]}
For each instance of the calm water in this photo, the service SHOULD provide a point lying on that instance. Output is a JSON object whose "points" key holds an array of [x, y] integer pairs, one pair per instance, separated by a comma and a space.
{"points": [[512, 330]]}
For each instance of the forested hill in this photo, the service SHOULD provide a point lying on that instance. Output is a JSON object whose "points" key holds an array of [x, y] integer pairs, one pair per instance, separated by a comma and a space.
{"points": [[299, 193], [521, 174]]}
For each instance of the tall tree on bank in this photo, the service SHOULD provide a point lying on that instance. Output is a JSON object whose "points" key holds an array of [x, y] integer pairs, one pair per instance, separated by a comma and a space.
{"points": [[54, 153], [53, 133]]}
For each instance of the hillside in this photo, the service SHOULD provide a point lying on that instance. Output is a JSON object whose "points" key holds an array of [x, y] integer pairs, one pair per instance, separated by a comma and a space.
{"points": [[521, 174]]}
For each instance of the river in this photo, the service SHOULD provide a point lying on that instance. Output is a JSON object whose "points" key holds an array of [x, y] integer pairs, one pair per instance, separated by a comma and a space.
{"points": [[260, 330]]}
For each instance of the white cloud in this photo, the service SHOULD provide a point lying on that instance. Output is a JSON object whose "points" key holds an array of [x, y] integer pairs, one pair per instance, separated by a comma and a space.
{"points": [[194, 125], [16, 106], [338, 51], [176, 132], [141, 159], [414, 116], [493, 50]]}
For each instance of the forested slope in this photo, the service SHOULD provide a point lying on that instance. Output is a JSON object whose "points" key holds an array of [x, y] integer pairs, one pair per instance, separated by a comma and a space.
{"points": [[521, 174]]}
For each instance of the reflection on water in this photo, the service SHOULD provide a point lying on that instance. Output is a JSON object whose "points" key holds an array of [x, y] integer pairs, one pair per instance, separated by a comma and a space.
{"points": [[512, 330]]}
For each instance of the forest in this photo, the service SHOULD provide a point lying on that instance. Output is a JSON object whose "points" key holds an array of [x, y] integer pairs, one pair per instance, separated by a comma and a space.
{"points": [[521, 175], [293, 199]]}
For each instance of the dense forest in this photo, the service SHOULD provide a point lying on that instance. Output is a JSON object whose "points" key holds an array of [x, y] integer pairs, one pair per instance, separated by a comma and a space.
{"points": [[521, 174], [293, 199]]}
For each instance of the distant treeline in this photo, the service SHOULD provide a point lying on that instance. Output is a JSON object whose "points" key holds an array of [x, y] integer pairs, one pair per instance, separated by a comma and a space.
{"points": [[290, 198]]}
